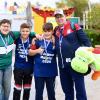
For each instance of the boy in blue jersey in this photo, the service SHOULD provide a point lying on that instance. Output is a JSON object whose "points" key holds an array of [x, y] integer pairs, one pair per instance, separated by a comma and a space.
{"points": [[45, 68], [23, 67]]}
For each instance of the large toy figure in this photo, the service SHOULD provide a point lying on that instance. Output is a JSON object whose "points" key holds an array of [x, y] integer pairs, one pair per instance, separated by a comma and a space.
{"points": [[87, 57]]}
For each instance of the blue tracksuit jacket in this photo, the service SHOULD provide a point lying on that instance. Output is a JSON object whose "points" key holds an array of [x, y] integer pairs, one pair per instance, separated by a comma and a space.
{"points": [[67, 41]]}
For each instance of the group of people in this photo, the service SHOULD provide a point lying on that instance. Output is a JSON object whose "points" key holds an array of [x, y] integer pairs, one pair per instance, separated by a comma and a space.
{"points": [[36, 55]]}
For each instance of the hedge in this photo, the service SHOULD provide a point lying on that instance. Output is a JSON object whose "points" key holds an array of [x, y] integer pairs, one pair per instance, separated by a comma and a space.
{"points": [[94, 36]]}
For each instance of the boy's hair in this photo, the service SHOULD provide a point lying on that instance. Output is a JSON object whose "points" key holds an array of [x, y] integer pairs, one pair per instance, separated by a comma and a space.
{"points": [[3, 21], [47, 27], [25, 25]]}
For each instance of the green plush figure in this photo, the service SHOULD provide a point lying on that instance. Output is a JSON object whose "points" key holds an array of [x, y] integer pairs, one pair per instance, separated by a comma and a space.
{"points": [[79, 65], [83, 57], [87, 57]]}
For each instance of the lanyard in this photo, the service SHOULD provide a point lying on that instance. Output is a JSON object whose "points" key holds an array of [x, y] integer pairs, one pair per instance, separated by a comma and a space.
{"points": [[25, 50], [46, 44], [61, 37], [5, 42]]}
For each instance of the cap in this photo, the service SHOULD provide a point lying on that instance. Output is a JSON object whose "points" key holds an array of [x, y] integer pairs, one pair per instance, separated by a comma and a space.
{"points": [[59, 11]]}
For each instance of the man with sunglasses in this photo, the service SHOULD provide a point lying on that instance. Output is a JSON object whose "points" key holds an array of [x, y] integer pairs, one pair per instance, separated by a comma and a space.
{"points": [[67, 39]]}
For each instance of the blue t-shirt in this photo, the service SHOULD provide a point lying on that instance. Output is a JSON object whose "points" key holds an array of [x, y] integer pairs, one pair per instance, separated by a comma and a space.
{"points": [[45, 63], [22, 59]]}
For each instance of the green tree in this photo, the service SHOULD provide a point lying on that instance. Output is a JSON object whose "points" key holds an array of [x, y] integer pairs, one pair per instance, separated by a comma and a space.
{"points": [[94, 16], [61, 4], [80, 5]]}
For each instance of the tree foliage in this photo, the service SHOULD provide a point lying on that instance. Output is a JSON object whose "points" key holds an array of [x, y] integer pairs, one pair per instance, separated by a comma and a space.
{"points": [[61, 5], [80, 5], [94, 16]]}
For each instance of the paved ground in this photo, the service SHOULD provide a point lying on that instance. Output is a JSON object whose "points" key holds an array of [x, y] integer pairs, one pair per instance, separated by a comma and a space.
{"points": [[93, 90]]}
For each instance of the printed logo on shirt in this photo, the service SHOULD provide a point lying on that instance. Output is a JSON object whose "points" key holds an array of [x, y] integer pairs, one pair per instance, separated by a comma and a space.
{"points": [[21, 51], [46, 57]]}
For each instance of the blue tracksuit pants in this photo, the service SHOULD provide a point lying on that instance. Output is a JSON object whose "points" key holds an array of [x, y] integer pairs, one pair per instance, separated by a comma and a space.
{"points": [[68, 79]]}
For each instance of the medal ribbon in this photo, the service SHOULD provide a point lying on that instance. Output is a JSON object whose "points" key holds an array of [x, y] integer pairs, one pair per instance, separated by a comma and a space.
{"points": [[5, 41], [25, 50], [46, 44]]}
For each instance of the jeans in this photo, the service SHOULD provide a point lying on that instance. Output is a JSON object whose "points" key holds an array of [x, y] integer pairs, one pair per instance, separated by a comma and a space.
{"points": [[5, 83]]}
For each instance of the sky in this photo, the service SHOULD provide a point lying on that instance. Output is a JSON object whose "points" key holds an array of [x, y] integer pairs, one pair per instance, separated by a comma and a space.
{"points": [[94, 1], [50, 3], [24, 2]]}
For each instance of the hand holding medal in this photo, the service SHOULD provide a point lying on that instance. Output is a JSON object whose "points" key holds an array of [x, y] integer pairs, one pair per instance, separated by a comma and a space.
{"points": [[41, 50]]}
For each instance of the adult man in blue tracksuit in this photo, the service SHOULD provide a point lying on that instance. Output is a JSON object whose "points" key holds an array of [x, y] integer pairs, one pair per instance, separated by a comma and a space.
{"points": [[68, 39]]}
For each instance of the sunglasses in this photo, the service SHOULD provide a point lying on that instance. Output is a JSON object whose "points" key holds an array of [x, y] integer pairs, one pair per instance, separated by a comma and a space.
{"points": [[59, 16]]}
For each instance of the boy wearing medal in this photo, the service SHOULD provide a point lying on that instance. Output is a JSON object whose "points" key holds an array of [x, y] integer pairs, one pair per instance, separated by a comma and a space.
{"points": [[45, 68], [23, 67], [6, 47]]}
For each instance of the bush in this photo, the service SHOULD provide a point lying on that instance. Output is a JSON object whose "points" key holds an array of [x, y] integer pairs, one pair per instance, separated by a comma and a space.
{"points": [[94, 36]]}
